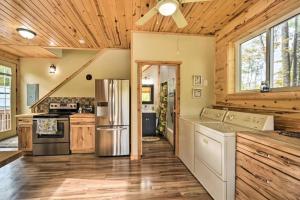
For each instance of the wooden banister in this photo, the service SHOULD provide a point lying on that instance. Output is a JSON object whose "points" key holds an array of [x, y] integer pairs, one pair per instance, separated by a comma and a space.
{"points": [[65, 81]]}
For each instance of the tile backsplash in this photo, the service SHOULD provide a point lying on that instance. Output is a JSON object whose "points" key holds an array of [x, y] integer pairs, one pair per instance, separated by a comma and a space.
{"points": [[83, 101]]}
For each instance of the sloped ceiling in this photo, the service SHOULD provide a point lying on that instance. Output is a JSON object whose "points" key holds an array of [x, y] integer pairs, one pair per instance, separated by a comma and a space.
{"points": [[103, 23]]}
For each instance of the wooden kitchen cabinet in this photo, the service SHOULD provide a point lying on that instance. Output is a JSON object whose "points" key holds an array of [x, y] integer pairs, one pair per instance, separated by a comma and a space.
{"points": [[186, 143], [24, 131], [267, 166], [82, 133]]}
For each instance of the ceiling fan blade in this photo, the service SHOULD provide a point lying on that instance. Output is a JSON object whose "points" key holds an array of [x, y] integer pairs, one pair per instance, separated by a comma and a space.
{"points": [[179, 19], [147, 16], [192, 1]]}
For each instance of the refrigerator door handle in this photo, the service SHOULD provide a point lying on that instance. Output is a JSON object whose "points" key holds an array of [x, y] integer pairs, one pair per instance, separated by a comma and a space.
{"points": [[111, 129], [110, 100]]}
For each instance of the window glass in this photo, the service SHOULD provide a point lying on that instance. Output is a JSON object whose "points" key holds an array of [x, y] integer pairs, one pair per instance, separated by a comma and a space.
{"points": [[285, 54], [253, 62], [5, 98]]}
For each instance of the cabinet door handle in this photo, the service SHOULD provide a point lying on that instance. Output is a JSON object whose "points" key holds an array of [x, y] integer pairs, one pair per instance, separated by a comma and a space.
{"points": [[263, 154], [262, 178]]}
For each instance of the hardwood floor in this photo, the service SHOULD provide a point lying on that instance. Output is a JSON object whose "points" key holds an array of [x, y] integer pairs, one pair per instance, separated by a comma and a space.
{"points": [[159, 175]]}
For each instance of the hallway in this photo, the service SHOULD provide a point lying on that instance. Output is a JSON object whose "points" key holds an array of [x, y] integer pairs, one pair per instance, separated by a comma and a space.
{"points": [[159, 175]]}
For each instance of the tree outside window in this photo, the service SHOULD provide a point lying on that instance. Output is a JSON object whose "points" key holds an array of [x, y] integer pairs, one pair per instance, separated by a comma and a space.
{"points": [[275, 59]]}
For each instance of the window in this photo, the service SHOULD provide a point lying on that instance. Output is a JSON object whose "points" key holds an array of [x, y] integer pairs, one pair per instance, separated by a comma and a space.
{"points": [[5, 98], [253, 62], [272, 56], [285, 53]]}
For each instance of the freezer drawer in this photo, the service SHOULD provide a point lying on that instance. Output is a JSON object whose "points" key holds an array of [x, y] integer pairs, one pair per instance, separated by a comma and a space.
{"points": [[112, 141]]}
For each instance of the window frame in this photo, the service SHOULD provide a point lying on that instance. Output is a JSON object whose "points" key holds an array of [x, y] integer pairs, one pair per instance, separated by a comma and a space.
{"points": [[268, 30]]}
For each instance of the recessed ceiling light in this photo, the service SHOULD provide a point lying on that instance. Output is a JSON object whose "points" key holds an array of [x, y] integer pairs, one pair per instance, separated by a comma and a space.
{"points": [[168, 7], [52, 43], [81, 41], [26, 33]]}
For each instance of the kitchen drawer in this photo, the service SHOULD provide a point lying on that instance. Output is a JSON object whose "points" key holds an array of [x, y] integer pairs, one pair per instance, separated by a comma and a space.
{"points": [[245, 192], [266, 180], [209, 151], [24, 121], [82, 121], [285, 162]]}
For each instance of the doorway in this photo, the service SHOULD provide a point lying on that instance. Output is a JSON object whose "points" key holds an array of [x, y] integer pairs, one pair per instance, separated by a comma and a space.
{"points": [[158, 104], [8, 138]]}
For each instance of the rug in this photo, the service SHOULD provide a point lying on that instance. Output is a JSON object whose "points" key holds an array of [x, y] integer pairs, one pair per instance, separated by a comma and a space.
{"points": [[150, 139]]}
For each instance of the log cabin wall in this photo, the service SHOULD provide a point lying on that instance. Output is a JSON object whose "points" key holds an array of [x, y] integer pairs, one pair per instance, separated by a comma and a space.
{"points": [[260, 14]]}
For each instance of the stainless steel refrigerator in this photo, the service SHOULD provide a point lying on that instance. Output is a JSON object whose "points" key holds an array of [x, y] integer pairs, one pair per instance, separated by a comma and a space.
{"points": [[112, 117]]}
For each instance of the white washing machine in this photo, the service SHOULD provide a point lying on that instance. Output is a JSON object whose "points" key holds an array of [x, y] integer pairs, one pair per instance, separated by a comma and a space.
{"points": [[215, 145]]}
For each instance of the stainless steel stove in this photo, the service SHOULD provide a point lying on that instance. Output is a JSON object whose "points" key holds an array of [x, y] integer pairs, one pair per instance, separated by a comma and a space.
{"points": [[289, 134], [56, 142]]}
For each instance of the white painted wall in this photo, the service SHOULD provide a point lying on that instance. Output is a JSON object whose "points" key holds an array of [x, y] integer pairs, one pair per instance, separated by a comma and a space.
{"points": [[197, 55], [113, 63]]}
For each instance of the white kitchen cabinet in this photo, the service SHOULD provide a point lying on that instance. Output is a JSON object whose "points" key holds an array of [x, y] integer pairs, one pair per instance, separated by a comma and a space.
{"points": [[186, 143]]}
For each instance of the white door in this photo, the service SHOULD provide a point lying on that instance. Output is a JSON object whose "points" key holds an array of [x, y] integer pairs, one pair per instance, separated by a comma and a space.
{"points": [[7, 100]]}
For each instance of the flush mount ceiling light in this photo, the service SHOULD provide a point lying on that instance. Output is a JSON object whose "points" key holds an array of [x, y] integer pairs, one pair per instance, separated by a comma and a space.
{"points": [[168, 7], [52, 69], [26, 33]]}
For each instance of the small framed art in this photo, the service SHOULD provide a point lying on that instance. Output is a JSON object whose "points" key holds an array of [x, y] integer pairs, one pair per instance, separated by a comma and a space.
{"points": [[197, 80], [197, 93]]}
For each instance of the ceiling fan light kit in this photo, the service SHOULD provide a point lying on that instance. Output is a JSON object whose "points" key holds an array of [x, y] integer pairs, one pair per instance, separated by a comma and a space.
{"points": [[168, 8]]}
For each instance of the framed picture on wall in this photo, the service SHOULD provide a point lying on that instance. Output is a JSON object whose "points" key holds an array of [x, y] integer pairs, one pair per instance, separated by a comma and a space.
{"points": [[197, 81], [197, 93]]}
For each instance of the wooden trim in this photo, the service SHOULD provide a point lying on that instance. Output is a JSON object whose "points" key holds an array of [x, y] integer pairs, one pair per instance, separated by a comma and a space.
{"points": [[155, 62], [288, 95], [69, 78], [72, 48], [174, 34], [139, 109], [177, 111], [221, 105], [139, 101]]}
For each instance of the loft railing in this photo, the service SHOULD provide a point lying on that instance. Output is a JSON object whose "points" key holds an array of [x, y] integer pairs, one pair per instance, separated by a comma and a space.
{"points": [[5, 120]]}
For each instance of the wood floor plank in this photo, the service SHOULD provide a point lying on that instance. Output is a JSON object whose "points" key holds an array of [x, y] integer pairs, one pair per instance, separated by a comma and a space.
{"points": [[159, 175]]}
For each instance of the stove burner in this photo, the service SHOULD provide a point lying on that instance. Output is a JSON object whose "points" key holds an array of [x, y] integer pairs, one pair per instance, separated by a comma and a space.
{"points": [[290, 133]]}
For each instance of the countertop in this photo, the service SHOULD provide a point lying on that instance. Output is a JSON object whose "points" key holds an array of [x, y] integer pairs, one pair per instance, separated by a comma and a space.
{"points": [[78, 115], [28, 115], [83, 115], [273, 139]]}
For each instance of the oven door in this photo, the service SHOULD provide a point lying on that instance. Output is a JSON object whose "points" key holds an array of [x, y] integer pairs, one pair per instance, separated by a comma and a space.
{"points": [[62, 135]]}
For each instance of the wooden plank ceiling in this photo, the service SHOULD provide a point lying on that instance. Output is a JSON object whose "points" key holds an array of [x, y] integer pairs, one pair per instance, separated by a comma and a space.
{"points": [[103, 23]]}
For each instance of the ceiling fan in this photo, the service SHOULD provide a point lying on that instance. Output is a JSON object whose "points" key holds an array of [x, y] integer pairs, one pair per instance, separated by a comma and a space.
{"points": [[168, 8]]}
